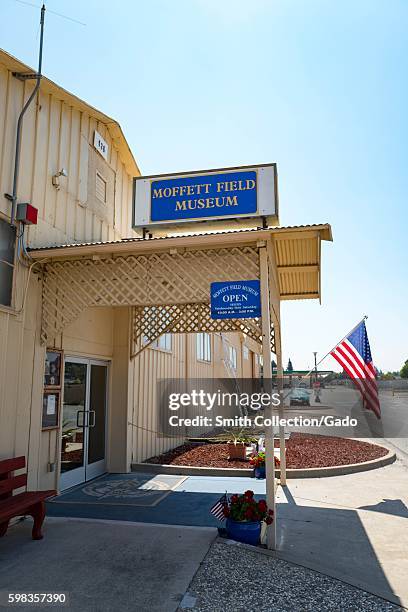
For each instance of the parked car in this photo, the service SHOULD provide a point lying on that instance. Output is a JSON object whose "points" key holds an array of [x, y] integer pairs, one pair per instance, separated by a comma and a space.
{"points": [[299, 397]]}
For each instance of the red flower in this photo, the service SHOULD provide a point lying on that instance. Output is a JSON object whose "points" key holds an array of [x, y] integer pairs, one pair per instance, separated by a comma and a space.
{"points": [[244, 507]]}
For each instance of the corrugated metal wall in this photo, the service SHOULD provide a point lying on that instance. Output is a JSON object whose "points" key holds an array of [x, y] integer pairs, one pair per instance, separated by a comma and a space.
{"points": [[149, 367], [58, 135], [155, 364], [55, 135]]}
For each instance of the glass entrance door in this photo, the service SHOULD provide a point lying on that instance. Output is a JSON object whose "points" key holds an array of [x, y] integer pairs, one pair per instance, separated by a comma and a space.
{"points": [[97, 420], [84, 410]]}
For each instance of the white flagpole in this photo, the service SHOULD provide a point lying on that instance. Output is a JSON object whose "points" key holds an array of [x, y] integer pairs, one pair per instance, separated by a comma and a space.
{"points": [[340, 341]]}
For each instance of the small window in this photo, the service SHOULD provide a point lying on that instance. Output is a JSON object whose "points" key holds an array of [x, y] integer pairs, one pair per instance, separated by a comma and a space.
{"points": [[100, 189], [204, 347], [7, 249], [233, 357], [164, 342], [246, 352]]}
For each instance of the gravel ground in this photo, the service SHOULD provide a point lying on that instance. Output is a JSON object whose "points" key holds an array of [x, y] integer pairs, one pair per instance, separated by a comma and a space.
{"points": [[234, 579], [302, 451]]}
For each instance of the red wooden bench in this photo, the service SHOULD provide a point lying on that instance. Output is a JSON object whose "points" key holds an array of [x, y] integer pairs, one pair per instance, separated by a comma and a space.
{"points": [[31, 503]]}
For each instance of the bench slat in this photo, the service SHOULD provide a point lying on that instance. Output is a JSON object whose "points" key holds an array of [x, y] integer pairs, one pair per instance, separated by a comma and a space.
{"points": [[9, 465], [9, 484], [20, 503]]}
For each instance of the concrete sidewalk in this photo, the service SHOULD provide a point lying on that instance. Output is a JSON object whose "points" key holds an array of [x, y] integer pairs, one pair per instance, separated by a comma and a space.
{"points": [[102, 565], [351, 527]]}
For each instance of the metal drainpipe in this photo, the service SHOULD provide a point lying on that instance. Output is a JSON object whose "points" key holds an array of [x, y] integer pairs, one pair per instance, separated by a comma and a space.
{"points": [[20, 122]]}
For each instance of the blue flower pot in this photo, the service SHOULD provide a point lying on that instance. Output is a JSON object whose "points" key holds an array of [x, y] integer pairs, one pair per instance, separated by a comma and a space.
{"points": [[246, 532], [260, 472]]}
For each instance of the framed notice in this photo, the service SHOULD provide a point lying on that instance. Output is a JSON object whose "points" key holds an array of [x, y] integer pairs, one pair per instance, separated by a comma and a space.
{"points": [[53, 367], [50, 411]]}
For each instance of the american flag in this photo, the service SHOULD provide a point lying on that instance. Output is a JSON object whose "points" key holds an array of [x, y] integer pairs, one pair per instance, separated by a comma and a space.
{"points": [[218, 508], [354, 355]]}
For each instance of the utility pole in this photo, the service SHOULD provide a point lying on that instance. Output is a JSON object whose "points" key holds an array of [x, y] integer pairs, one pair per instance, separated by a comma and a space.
{"points": [[315, 366]]}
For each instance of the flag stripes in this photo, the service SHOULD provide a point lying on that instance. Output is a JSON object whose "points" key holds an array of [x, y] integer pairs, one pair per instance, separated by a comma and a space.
{"points": [[354, 355], [218, 508]]}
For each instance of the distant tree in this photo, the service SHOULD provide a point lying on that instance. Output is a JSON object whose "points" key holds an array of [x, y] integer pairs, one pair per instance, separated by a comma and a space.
{"points": [[404, 370], [274, 366], [289, 367], [387, 376]]}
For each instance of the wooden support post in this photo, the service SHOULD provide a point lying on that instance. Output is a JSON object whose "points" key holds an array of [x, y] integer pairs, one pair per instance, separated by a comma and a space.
{"points": [[274, 300], [267, 373]]}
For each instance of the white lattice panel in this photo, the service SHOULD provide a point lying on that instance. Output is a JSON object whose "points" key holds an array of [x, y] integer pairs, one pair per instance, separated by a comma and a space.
{"points": [[149, 323], [69, 287]]}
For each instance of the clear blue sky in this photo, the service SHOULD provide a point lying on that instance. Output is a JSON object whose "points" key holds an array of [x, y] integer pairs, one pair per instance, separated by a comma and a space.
{"points": [[319, 87]]}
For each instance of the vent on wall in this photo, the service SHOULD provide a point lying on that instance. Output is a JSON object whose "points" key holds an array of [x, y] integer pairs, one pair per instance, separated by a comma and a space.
{"points": [[100, 188]]}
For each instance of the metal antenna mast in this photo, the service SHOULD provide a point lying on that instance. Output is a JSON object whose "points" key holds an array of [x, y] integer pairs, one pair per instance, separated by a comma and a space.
{"points": [[25, 77]]}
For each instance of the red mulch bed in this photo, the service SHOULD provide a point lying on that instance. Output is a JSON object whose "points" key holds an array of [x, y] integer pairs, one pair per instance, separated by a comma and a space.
{"points": [[302, 451]]}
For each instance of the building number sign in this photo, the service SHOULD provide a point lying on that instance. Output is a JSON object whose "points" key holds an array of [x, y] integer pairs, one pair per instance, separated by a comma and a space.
{"points": [[101, 145]]}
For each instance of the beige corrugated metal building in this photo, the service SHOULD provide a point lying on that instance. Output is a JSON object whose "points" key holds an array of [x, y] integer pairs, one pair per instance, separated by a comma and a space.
{"points": [[59, 133], [95, 413]]}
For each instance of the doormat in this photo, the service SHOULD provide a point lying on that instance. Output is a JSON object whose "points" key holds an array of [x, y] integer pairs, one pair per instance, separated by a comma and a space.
{"points": [[122, 490]]}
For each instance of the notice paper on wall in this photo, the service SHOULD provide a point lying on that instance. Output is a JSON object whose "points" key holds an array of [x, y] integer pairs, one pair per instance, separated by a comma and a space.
{"points": [[51, 404]]}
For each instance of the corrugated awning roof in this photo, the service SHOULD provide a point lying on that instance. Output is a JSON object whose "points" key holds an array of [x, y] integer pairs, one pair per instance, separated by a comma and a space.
{"points": [[297, 251], [280, 229]]}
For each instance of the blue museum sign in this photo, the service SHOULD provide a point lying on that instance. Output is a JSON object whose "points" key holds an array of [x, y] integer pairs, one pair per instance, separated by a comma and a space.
{"points": [[203, 196], [236, 300]]}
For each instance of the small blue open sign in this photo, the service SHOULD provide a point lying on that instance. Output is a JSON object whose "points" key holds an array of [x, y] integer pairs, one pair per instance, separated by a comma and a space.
{"points": [[236, 300]]}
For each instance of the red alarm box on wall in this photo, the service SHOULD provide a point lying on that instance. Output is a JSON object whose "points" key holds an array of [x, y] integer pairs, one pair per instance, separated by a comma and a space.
{"points": [[27, 214]]}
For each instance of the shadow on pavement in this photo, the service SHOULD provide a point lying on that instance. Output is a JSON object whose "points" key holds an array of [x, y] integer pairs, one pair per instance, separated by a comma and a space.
{"points": [[395, 507], [334, 541], [330, 540]]}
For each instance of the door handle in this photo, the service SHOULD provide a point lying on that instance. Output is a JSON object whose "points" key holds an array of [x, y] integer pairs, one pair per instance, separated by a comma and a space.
{"points": [[92, 418], [78, 424]]}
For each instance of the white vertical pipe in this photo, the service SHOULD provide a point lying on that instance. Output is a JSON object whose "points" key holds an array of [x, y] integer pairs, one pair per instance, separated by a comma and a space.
{"points": [[267, 372]]}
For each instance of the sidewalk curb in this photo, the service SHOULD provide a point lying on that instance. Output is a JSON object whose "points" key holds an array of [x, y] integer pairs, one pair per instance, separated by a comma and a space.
{"points": [[321, 472], [114, 522]]}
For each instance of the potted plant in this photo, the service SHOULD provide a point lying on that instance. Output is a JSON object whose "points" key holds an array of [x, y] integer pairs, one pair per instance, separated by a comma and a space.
{"points": [[258, 463], [257, 460], [244, 517], [236, 450], [237, 445]]}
